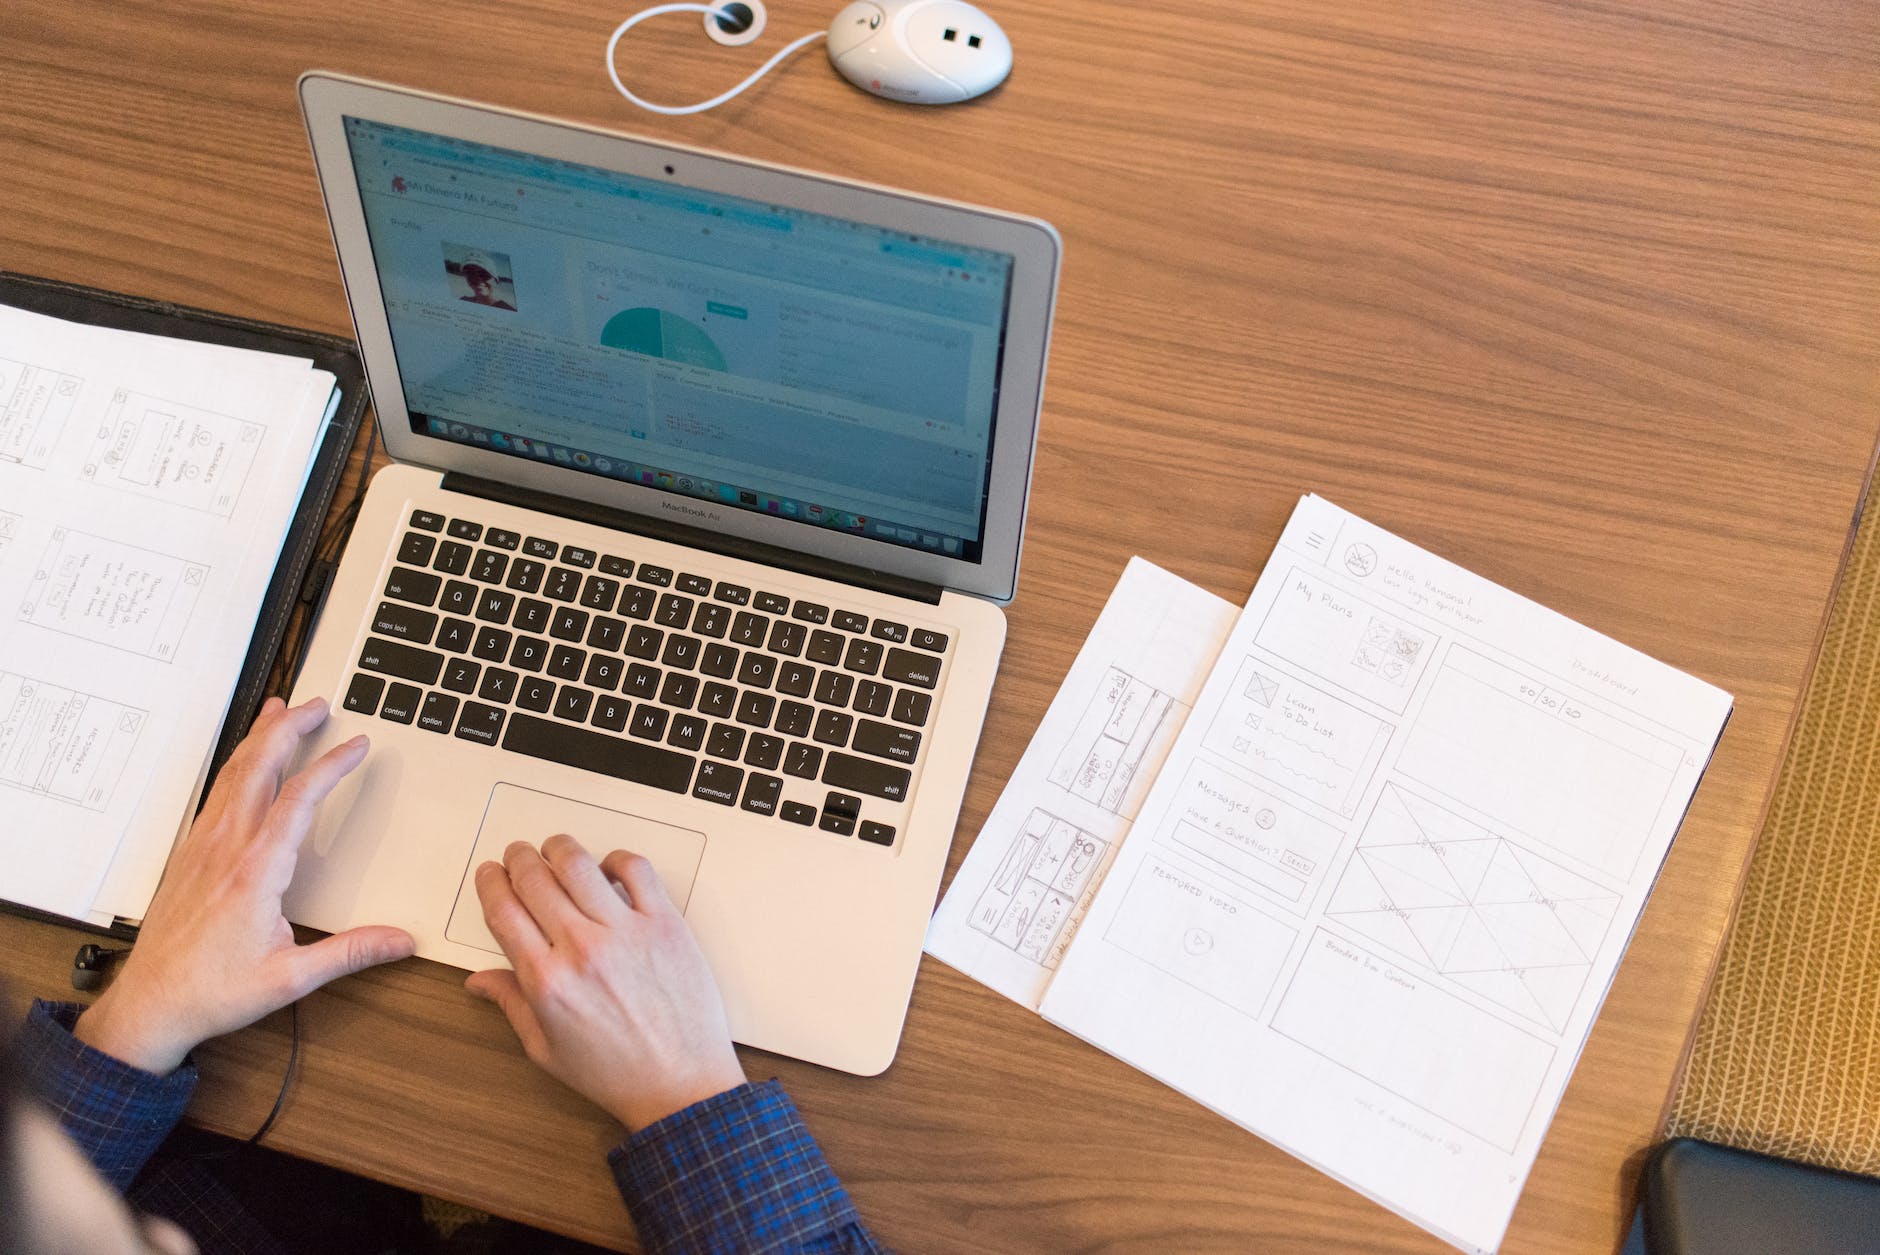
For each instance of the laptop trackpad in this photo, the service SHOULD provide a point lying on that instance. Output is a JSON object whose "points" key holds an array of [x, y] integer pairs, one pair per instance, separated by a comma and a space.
{"points": [[519, 814]]}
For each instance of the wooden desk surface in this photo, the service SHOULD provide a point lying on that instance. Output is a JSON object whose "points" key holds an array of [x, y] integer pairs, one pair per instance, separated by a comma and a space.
{"points": [[1583, 297]]}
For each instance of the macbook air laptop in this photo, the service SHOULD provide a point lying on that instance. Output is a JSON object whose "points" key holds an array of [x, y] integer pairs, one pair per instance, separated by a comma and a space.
{"points": [[710, 478]]}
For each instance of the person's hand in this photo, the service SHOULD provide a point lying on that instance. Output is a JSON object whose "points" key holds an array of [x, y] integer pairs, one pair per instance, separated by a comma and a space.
{"points": [[215, 953], [610, 994]]}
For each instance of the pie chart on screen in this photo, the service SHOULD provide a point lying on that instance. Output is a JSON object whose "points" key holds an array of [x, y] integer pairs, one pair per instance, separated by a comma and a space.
{"points": [[661, 333]]}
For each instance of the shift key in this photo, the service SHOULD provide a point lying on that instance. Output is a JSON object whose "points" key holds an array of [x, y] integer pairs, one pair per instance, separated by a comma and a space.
{"points": [[407, 662]]}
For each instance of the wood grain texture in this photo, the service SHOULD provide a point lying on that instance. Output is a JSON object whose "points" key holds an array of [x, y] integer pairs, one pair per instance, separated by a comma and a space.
{"points": [[1582, 296]]}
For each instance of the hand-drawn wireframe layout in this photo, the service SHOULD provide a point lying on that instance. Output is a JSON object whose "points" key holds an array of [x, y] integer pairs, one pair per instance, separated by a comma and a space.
{"points": [[104, 590], [1250, 832], [1364, 650], [176, 453], [1301, 738], [9, 530], [1518, 929], [1191, 929], [64, 744], [34, 404], [1547, 765], [1127, 724], [1030, 905]]}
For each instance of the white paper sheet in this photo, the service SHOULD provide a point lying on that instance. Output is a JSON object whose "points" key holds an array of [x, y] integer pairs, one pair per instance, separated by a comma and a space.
{"points": [[1377, 894], [145, 487], [1013, 907]]}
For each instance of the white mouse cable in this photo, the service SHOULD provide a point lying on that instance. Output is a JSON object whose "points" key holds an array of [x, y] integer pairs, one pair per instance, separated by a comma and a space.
{"points": [[722, 10]]}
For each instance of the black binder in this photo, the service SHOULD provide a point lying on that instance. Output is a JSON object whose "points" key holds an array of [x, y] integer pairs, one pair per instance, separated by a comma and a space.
{"points": [[332, 353]]}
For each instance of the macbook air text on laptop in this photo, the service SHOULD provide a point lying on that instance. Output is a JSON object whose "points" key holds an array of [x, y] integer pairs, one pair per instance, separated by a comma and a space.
{"points": [[708, 477]]}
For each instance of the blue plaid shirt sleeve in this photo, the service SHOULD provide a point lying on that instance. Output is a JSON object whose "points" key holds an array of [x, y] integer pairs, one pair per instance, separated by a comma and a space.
{"points": [[118, 1114], [736, 1173]]}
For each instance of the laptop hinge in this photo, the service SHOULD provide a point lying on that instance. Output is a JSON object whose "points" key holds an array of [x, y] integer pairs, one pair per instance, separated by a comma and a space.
{"points": [[694, 537]]}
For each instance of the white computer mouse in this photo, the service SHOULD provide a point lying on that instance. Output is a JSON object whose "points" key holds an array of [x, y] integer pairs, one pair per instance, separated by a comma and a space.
{"points": [[926, 52]]}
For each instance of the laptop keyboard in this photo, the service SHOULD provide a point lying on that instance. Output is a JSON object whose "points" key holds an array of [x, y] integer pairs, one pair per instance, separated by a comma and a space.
{"points": [[671, 679]]}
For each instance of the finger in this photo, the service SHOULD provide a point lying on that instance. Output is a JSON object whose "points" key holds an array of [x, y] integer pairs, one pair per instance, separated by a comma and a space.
{"points": [[290, 818], [634, 873], [500, 986], [249, 780], [510, 923], [535, 883], [581, 876], [342, 954]]}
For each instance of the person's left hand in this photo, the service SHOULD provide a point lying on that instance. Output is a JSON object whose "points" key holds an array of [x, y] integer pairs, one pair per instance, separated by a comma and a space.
{"points": [[215, 953]]}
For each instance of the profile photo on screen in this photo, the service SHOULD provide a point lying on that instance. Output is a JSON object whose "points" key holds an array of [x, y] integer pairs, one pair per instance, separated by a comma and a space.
{"points": [[480, 276]]}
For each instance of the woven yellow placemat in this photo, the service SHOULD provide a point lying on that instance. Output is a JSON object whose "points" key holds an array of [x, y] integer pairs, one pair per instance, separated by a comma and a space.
{"points": [[1787, 1054]]}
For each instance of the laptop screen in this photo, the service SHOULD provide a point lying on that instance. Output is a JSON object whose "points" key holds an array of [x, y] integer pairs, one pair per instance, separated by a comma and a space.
{"points": [[768, 359]]}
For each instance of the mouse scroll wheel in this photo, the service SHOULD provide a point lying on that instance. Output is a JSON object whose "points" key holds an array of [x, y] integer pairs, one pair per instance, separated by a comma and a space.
{"points": [[874, 22]]}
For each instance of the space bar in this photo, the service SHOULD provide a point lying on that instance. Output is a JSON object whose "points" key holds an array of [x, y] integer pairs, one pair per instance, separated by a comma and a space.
{"points": [[590, 751]]}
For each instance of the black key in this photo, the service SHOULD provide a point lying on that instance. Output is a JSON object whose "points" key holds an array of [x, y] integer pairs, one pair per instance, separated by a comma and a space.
{"points": [[480, 723], [711, 620], [832, 727], [797, 813], [401, 703], [498, 685], [904, 666], [802, 760], [460, 675], [873, 698], [452, 559], [810, 612], [642, 681], [620, 567], [718, 660], [764, 750], [748, 629], [566, 661], [796, 679], [525, 575], [598, 592], [610, 712], [886, 741], [911, 707], [865, 775], [535, 693], [725, 741], [492, 644], [795, 719], [416, 549], [438, 713], [770, 603], [719, 783], [574, 556], [606, 633], [786, 638], [824, 647], [637, 602], [573, 703], [679, 690], [833, 688], [643, 642], [688, 732], [428, 521], [762, 793], [502, 539], [464, 529], [849, 621], [932, 642], [596, 751], [879, 834], [657, 576], [494, 605], [756, 670], [697, 585], [863, 656], [718, 701], [456, 635], [533, 615], [407, 623], [530, 653], [569, 624], [536, 547], [840, 822], [458, 598], [603, 672], [754, 709], [489, 567], [563, 584], [362, 695], [674, 611], [886, 631], [681, 652], [735, 594], [649, 722], [417, 587], [407, 662]]}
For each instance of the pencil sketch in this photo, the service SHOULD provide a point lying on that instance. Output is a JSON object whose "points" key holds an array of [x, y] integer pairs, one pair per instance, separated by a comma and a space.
{"points": [[9, 530], [34, 404], [1034, 899], [177, 453], [1250, 832], [1202, 935], [1111, 755], [111, 593], [1346, 640], [1306, 741], [63, 744]]}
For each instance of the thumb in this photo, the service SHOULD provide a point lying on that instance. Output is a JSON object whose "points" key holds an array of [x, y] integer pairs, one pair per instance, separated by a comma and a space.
{"points": [[354, 950], [500, 986]]}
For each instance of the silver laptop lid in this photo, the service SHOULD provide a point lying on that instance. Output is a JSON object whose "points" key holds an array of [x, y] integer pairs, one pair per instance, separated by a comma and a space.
{"points": [[820, 365]]}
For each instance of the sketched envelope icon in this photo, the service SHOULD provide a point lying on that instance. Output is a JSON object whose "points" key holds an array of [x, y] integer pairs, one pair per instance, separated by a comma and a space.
{"points": [[1262, 689]]}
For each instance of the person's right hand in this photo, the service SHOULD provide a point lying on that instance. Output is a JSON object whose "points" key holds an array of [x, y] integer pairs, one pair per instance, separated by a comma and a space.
{"points": [[610, 994]]}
